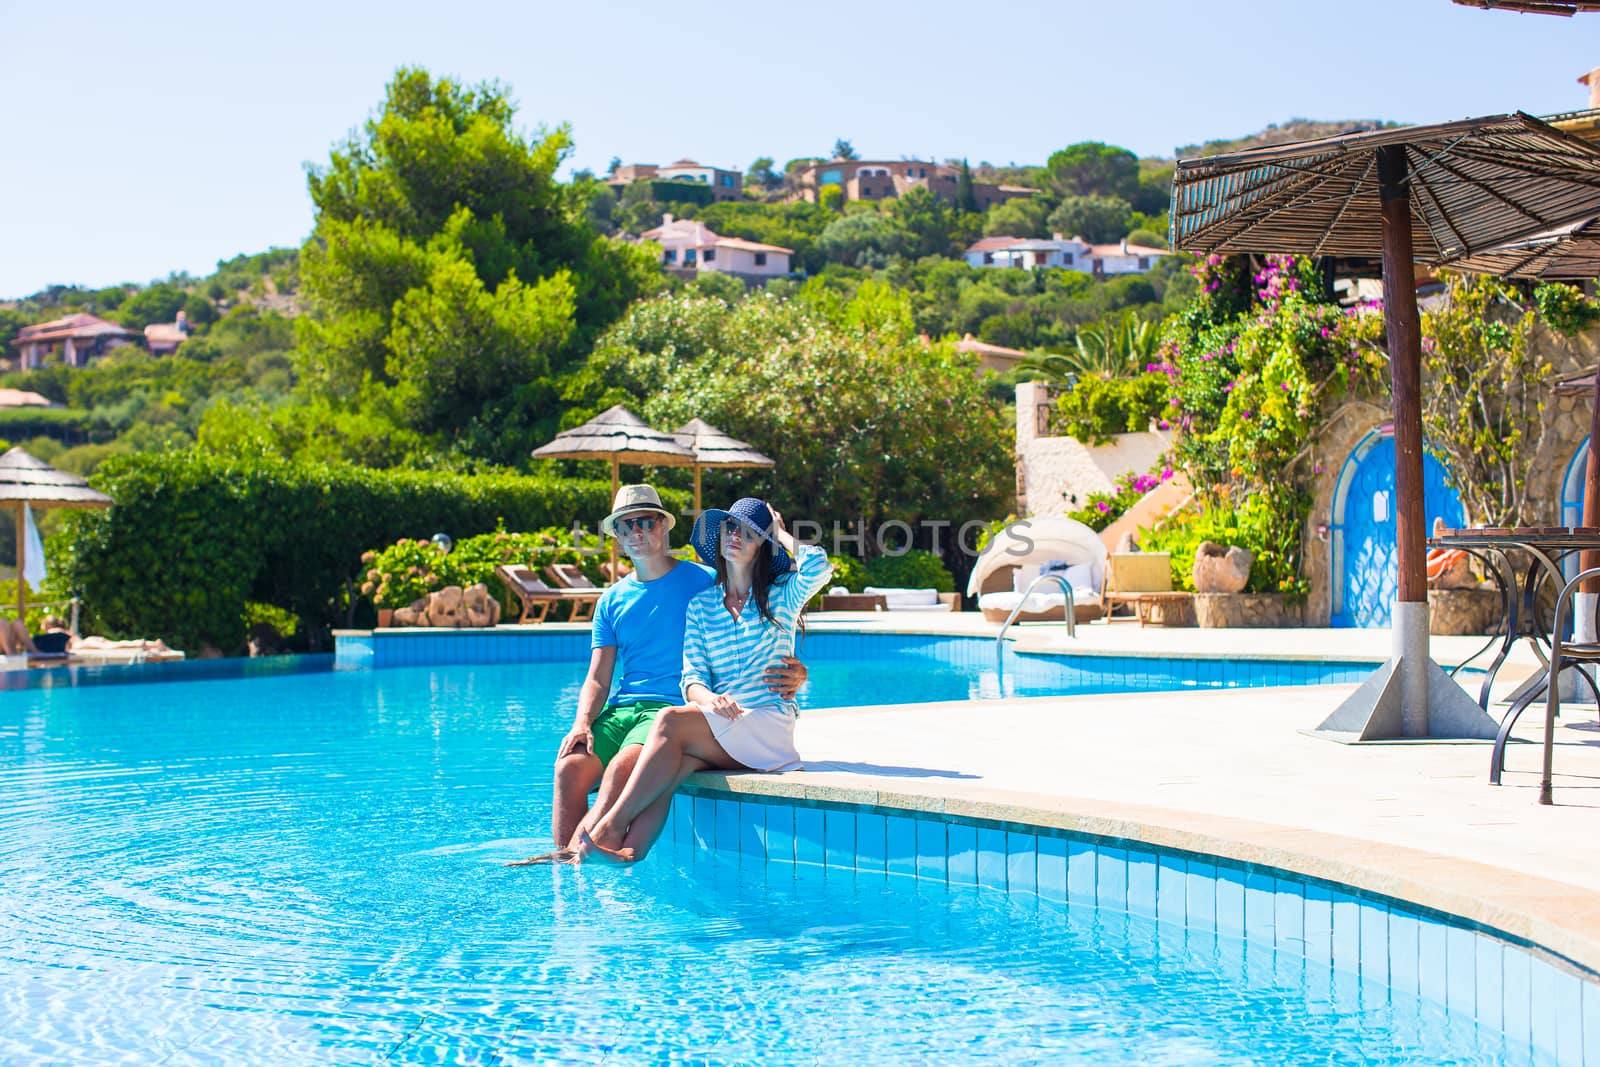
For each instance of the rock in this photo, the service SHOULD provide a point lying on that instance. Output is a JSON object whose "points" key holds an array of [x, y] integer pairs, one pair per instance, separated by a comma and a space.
{"points": [[1127, 544], [1220, 570], [447, 607], [480, 609], [415, 614], [1273, 610]]}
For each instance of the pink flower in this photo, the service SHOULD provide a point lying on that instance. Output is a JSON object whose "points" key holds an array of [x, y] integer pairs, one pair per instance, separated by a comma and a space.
{"points": [[1102, 506]]}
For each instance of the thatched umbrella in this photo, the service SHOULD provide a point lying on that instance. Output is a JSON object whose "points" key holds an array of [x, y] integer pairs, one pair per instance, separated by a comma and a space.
{"points": [[1427, 193], [620, 436], [27, 480], [713, 448], [1535, 7]]}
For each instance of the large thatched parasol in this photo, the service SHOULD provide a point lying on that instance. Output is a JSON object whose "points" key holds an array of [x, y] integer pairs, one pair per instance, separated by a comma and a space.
{"points": [[620, 436], [713, 448], [1421, 192], [27, 480]]}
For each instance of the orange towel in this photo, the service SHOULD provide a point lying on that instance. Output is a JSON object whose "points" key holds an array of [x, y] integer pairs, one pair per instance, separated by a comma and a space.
{"points": [[1440, 560]]}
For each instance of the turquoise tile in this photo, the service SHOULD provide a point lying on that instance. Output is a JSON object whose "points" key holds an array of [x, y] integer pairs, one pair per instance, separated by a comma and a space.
{"points": [[1260, 907], [933, 850], [839, 837], [900, 845], [1289, 916], [1591, 1022], [1461, 966], [1142, 883], [963, 853], [1404, 929], [1431, 969], [872, 842], [680, 820], [1230, 901], [1569, 1018], [992, 858], [780, 833], [1081, 866], [1172, 890], [1375, 943], [727, 824], [705, 822], [1516, 990], [1202, 895], [1022, 863], [808, 844], [1491, 974], [1544, 979], [1053, 868], [1346, 933], [1111, 879], [752, 830]]}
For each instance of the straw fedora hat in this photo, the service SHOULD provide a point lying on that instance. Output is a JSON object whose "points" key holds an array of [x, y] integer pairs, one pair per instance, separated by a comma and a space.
{"points": [[632, 499]]}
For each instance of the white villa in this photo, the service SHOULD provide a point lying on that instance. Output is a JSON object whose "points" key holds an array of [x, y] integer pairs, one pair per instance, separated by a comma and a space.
{"points": [[1072, 253], [688, 245]]}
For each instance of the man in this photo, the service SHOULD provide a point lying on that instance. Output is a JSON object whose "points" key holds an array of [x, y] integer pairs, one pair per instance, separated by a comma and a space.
{"points": [[641, 617]]}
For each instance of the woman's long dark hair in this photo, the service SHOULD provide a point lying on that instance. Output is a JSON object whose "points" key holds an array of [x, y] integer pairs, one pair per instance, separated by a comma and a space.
{"points": [[761, 580]]}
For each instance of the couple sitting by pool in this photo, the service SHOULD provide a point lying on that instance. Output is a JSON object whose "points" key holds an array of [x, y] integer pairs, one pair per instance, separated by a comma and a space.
{"points": [[708, 674]]}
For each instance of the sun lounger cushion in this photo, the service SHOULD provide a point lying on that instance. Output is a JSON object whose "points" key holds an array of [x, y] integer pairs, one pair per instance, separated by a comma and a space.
{"points": [[909, 599]]}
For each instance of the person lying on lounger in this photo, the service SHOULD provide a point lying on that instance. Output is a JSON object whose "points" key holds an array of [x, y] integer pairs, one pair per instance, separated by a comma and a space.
{"points": [[55, 639], [641, 619], [734, 633]]}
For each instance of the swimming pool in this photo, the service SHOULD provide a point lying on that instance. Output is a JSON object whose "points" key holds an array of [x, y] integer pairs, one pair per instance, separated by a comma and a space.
{"points": [[307, 868]]}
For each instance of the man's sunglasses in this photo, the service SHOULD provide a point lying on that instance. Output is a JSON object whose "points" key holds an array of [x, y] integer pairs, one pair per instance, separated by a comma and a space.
{"points": [[643, 522]]}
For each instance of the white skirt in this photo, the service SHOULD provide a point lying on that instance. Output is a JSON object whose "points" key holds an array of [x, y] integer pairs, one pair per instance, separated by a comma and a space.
{"points": [[762, 739]]}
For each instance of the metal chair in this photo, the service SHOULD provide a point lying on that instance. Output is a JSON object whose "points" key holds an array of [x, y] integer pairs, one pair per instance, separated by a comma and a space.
{"points": [[1563, 653]]}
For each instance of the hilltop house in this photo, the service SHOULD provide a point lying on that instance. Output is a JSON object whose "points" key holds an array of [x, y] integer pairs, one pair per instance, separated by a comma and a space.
{"points": [[880, 180], [688, 247], [724, 184], [77, 338], [163, 338], [1072, 253]]}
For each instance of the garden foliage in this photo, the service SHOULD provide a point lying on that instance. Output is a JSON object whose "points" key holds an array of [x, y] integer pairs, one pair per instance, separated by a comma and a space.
{"points": [[192, 537]]}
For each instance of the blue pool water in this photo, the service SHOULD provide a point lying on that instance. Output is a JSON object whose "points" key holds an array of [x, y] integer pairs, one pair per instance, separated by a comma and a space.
{"points": [[307, 868]]}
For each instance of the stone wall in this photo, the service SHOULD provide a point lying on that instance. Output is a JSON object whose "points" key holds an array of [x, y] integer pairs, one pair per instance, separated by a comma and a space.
{"points": [[1055, 474]]}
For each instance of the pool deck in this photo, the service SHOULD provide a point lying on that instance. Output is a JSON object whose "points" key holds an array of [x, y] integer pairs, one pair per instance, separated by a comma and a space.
{"points": [[1232, 773]]}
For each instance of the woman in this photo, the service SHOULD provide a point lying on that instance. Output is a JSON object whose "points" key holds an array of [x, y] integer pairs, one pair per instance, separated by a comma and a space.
{"points": [[734, 632]]}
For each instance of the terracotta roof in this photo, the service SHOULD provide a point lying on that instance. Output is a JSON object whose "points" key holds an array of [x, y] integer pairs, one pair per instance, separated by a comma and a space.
{"points": [[970, 343], [989, 244], [21, 398], [75, 326], [751, 246]]}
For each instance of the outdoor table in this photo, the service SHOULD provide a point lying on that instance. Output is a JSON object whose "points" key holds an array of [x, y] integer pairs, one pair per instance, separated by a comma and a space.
{"points": [[1547, 547]]}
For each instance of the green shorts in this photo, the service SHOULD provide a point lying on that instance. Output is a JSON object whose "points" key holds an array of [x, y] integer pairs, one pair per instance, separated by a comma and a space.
{"points": [[623, 724]]}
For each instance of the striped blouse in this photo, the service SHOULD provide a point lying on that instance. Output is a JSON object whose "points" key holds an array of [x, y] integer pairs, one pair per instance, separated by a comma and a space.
{"points": [[728, 655]]}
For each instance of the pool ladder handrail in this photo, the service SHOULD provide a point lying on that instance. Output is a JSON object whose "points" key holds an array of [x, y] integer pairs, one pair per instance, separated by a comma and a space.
{"points": [[1000, 638]]}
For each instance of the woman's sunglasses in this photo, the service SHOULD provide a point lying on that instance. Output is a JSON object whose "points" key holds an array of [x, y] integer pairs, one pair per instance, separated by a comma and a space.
{"points": [[644, 522]]}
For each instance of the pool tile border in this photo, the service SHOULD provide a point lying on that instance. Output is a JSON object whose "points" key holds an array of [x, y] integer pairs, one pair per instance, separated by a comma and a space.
{"points": [[1504, 982]]}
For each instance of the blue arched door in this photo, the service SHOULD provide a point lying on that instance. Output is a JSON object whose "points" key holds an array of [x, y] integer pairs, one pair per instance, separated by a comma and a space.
{"points": [[1366, 575]]}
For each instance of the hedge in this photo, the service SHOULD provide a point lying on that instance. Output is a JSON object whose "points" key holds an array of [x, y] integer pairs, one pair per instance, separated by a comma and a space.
{"points": [[193, 538]]}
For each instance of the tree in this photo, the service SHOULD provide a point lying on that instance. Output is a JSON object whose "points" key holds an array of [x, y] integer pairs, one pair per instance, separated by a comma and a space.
{"points": [[966, 197], [1097, 219], [1018, 218], [843, 149], [831, 197], [612, 167], [1091, 168], [762, 174], [158, 303], [864, 238], [925, 219]]}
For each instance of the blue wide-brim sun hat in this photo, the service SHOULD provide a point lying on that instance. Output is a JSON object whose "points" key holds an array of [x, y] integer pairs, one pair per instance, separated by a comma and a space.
{"points": [[754, 513]]}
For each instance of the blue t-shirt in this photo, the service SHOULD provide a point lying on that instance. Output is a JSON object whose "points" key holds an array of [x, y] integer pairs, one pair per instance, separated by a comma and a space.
{"points": [[644, 622]]}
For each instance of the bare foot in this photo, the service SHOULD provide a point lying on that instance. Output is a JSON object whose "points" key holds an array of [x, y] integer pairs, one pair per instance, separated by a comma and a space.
{"points": [[560, 855], [589, 850]]}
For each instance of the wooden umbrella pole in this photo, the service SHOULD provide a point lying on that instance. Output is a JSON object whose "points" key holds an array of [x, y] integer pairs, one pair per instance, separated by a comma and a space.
{"points": [[1591, 489], [616, 469], [696, 491], [1403, 327]]}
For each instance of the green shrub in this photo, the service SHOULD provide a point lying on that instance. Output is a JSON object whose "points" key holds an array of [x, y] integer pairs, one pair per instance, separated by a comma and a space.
{"points": [[1097, 408], [849, 572], [1268, 522], [193, 537], [917, 569]]}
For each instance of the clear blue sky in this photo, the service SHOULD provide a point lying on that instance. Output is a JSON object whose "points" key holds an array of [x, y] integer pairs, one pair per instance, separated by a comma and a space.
{"points": [[143, 139]]}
